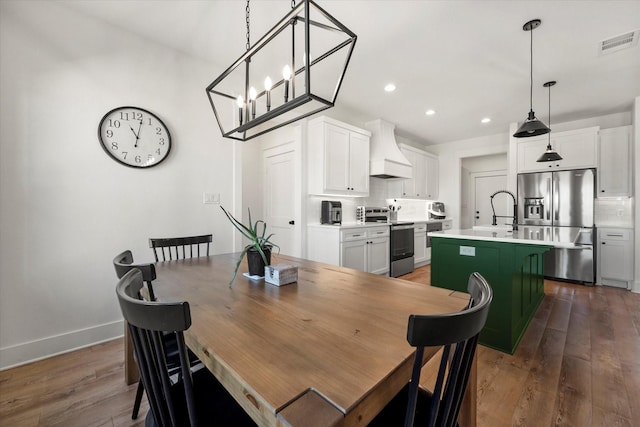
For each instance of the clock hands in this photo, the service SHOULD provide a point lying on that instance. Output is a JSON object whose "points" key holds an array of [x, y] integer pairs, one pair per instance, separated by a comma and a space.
{"points": [[137, 135]]}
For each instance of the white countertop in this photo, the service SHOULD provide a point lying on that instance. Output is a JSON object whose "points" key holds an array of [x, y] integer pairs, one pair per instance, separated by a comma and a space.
{"points": [[346, 225], [559, 237]]}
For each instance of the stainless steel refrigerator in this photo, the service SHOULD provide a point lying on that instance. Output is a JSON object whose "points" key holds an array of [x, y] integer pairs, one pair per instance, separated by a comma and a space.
{"points": [[562, 199]]}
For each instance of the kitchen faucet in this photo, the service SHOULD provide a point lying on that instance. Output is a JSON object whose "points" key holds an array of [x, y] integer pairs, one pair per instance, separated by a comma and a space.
{"points": [[515, 209]]}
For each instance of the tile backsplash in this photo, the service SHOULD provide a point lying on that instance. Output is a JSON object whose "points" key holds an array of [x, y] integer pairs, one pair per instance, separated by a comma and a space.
{"points": [[614, 212], [378, 194]]}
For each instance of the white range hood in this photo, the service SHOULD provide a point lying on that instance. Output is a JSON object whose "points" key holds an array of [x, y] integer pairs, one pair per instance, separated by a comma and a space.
{"points": [[386, 159]]}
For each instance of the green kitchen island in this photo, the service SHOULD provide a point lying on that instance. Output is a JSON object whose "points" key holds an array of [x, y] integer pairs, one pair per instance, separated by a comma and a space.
{"points": [[512, 263]]}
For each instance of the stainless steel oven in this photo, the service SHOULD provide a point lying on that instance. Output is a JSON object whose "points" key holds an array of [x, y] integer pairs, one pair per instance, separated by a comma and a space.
{"points": [[401, 248]]}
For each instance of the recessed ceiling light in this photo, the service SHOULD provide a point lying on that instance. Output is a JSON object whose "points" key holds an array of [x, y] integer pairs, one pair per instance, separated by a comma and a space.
{"points": [[390, 87], [430, 112], [486, 120]]}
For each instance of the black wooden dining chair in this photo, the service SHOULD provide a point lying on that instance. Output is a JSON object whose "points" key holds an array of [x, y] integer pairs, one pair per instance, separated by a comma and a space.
{"points": [[458, 334], [180, 247], [123, 263], [197, 398]]}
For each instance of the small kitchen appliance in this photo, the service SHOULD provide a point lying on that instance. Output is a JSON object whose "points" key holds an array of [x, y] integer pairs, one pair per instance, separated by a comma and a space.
{"points": [[435, 210], [369, 214], [331, 212]]}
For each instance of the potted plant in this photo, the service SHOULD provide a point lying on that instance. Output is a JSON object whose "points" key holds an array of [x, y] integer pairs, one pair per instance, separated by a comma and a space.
{"points": [[258, 250]]}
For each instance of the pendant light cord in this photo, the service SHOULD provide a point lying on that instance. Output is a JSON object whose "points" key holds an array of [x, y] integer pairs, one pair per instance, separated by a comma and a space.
{"points": [[530, 73], [549, 126], [247, 20]]}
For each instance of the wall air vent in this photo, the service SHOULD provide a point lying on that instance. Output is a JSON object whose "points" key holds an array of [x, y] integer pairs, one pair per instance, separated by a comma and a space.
{"points": [[623, 41]]}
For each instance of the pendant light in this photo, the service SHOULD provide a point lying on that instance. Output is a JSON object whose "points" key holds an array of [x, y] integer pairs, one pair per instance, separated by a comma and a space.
{"points": [[531, 126], [549, 155]]}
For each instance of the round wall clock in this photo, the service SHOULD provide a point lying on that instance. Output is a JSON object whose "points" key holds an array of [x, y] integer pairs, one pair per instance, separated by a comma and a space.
{"points": [[134, 137]]}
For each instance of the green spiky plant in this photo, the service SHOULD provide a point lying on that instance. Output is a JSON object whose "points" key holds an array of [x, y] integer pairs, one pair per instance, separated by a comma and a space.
{"points": [[257, 238]]}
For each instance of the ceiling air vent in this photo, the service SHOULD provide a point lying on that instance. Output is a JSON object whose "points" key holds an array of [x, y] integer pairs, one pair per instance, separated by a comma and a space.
{"points": [[620, 42]]}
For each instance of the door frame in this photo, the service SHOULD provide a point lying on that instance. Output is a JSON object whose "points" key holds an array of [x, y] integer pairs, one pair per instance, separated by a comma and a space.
{"points": [[472, 186]]}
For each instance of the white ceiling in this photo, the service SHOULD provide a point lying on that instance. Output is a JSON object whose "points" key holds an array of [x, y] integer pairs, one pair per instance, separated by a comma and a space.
{"points": [[465, 59]]}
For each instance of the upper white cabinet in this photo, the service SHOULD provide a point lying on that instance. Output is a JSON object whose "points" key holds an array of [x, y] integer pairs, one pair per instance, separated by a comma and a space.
{"points": [[424, 183], [614, 172], [432, 176], [578, 149], [338, 158]]}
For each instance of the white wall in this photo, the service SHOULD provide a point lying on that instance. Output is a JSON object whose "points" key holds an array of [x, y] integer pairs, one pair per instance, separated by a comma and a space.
{"points": [[66, 209], [451, 155]]}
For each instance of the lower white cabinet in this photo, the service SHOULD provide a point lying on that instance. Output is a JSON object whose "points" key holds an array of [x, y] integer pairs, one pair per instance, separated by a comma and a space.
{"points": [[615, 257], [361, 248], [420, 244]]}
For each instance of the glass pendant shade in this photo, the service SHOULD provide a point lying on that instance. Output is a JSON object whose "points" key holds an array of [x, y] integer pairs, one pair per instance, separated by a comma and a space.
{"points": [[295, 70]]}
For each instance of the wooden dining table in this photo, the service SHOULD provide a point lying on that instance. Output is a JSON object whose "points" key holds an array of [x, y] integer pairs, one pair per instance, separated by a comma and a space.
{"points": [[329, 349]]}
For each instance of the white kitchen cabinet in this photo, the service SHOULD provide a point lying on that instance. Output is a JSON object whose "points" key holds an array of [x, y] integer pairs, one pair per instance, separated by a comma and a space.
{"points": [[420, 244], [362, 248], [578, 149], [365, 249], [432, 165], [614, 171], [338, 158], [615, 257], [424, 182]]}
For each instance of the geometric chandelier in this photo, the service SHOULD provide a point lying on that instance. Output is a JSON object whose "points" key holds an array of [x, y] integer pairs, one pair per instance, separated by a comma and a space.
{"points": [[295, 70]]}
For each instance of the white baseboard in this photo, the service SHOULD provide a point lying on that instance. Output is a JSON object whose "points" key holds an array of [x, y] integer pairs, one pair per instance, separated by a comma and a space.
{"points": [[636, 287], [32, 351]]}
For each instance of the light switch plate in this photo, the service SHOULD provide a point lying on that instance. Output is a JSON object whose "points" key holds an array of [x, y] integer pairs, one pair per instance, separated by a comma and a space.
{"points": [[211, 198]]}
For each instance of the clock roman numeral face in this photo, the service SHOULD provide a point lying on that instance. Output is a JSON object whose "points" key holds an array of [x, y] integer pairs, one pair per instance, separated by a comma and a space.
{"points": [[134, 137]]}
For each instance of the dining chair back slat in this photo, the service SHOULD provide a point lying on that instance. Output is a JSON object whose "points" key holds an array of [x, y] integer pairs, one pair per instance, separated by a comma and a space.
{"points": [[172, 404], [458, 334], [177, 247]]}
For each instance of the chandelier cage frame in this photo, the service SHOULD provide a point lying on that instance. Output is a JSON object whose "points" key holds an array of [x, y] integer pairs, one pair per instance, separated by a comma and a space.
{"points": [[240, 121]]}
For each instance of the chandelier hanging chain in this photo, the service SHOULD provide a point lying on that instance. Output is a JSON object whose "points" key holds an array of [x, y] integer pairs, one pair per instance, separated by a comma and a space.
{"points": [[247, 20], [530, 73]]}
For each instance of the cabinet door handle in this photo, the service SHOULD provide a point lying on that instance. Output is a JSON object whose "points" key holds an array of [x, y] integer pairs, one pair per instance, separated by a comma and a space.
{"points": [[292, 222], [604, 243]]}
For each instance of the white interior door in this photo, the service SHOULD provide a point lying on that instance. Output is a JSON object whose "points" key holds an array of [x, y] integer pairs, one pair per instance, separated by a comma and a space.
{"points": [[282, 198], [484, 184]]}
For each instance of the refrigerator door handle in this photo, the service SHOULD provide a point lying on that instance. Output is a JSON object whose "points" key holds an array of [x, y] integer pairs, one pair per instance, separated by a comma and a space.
{"points": [[547, 201]]}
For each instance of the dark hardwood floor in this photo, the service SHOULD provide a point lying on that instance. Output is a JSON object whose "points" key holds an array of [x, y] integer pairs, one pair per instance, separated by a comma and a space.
{"points": [[578, 365]]}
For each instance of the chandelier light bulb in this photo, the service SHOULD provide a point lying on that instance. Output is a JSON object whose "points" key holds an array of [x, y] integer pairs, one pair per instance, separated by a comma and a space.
{"points": [[252, 96], [240, 104], [268, 84], [286, 72], [286, 75]]}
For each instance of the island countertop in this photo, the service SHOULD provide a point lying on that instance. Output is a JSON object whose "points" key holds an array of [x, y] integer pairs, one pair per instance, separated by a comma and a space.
{"points": [[559, 237]]}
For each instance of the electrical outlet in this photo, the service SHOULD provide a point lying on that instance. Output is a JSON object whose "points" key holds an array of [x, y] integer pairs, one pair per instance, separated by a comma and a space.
{"points": [[467, 251]]}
